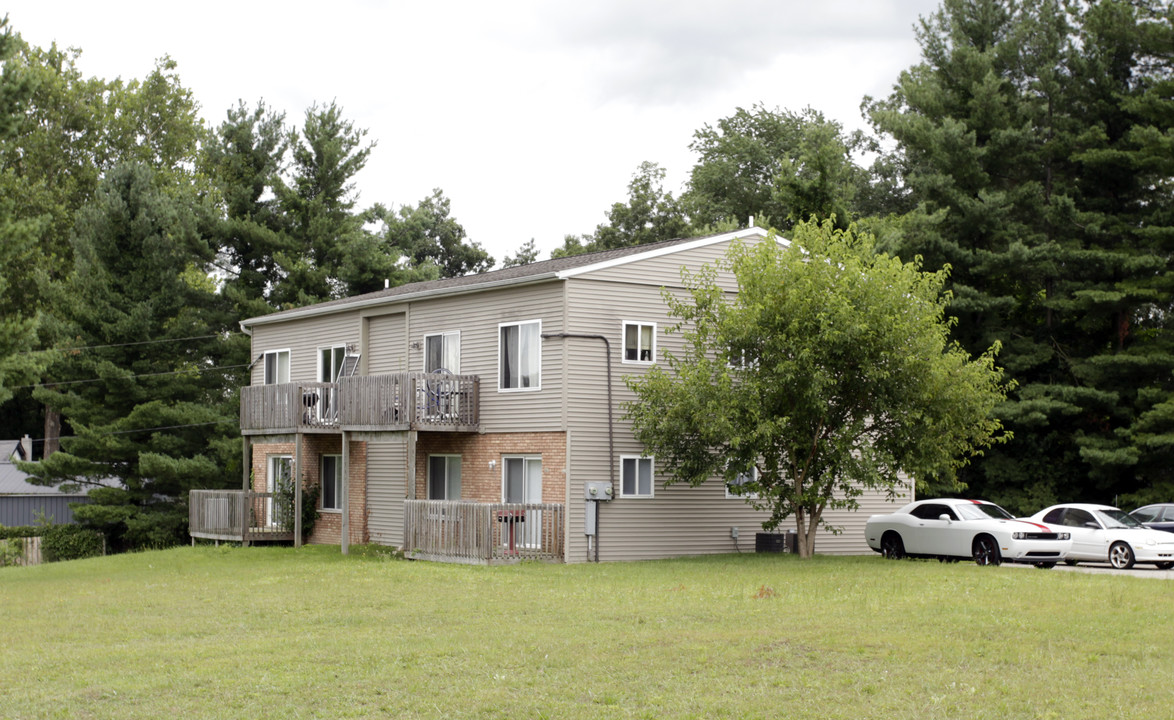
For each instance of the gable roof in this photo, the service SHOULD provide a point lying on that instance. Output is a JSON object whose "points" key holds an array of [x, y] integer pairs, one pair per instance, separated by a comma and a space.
{"points": [[12, 480], [541, 271]]}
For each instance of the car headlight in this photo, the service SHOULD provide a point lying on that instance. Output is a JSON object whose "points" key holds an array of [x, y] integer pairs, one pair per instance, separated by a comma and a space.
{"points": [[1065, 536], [1018, 535]]}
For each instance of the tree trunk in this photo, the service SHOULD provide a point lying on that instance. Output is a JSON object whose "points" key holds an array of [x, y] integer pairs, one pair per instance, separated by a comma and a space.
{"points": [[52, 432]]}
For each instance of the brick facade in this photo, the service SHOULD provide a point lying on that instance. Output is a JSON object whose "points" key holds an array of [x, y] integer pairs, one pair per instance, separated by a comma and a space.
{"points": [[328, 528], [480, 482]]}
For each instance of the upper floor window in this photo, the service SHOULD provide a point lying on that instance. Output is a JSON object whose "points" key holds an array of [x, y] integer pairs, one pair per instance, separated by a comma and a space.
{"points": [[330, 363], [639, 342], [442, 351], [635, 476], [276, 367], [520, 355]]}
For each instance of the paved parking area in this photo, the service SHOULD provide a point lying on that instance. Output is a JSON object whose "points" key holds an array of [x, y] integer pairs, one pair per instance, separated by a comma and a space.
{"points": [[1146, 571]]}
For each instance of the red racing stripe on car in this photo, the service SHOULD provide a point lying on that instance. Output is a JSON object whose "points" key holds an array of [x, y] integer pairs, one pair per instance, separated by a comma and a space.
{"points": [[1045, 528]]}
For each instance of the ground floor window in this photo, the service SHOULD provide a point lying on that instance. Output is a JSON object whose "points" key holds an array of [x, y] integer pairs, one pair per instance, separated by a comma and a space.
{"points": [[736, 487], [331, 482], [522, 479], [444, 477], [635, 476]]}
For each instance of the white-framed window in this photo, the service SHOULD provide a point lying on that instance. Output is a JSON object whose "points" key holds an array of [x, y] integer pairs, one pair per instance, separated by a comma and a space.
{"points": [[331, 482], [734, 488], [635, 476], [444, 477], [639, 342], [276, 367], [521, 482], [442, 351], [519, 356], [743, 359], [521, 479], [330, 362]]}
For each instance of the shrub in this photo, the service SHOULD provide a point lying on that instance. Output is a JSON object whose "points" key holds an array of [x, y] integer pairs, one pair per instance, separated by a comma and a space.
{"points": [[284, 497], [70, 542], [11, 551], [19, 531]]}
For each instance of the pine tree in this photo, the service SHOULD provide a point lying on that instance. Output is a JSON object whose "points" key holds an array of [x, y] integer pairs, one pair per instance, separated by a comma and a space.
{"points": [[145, 390], [1020, 139]]}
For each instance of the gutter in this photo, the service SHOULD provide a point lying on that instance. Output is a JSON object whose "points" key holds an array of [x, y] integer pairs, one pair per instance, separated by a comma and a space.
{"points": [[611, 444], [316, 310]]}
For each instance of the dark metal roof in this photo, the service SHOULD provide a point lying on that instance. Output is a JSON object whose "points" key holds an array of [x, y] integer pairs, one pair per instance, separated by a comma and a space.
{"points": [[15, 482]]}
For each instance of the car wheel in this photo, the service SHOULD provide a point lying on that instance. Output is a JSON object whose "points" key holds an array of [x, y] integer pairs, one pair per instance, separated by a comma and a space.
{"points": [[1165, 565], [1121, 556], [1070, 563], [892, 547], [1045, 565], [985, 551]]}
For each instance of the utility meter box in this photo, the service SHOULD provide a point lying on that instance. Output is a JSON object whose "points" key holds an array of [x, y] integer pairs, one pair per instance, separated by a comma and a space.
{"points": [[597, 491]]}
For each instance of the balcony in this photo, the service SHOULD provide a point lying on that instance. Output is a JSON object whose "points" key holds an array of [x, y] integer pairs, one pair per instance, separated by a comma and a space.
{"points": [[239, 516], [401, 401]]}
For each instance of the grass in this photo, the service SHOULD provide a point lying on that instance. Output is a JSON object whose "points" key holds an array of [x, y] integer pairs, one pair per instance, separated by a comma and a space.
{"points": [[273, 632]]}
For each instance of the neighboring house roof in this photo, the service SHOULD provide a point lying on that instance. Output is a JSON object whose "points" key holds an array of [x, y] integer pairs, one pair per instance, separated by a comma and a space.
{"points": [[15, 482], [556, 269], [12, 480]]}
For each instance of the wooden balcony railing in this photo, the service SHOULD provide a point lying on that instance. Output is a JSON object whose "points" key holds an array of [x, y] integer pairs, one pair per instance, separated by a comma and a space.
{"points": [[483, 533], [401, 401], [238, 515]]}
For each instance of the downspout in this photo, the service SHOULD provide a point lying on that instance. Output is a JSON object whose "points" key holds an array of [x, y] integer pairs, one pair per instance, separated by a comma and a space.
{"points": [[611, 445]]}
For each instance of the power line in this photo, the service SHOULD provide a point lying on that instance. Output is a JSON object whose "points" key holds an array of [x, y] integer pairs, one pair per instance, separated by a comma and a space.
{"points": [[137, 430], [139, 375], [129, 344]]}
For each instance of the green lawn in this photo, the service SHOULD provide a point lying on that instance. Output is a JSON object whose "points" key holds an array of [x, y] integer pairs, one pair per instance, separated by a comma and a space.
{"points": [[263, 632]]}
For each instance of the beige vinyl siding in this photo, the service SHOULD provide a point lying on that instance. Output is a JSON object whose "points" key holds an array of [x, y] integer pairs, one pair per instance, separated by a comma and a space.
{"points": [[677, 520], [478, 316], [683, 520], [303, 338], [387, 472], [666, 269], [387, 344]]}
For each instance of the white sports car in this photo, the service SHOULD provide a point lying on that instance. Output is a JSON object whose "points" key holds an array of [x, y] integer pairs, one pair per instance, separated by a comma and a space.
{"points": [[949, 529], [1102, 533]]}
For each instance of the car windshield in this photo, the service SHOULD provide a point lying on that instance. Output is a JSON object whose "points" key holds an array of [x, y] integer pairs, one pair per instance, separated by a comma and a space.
{"points": [[981, 511], [1116, 518]]}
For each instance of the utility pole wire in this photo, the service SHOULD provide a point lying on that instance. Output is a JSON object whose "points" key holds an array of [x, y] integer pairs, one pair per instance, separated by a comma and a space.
{"points": [[140, 375]]}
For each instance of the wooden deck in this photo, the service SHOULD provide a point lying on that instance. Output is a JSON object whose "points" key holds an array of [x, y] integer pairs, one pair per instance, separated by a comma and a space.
{"points": [[399, 401], [483, 533], [238, 516]]}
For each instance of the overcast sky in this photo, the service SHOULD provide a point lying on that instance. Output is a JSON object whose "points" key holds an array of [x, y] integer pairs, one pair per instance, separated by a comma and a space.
{"points": [[531, 116]]}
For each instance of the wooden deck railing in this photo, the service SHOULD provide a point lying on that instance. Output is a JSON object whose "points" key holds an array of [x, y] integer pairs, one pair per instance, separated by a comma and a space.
{"points": [[239, 516], [424, 401], [483, 533]]}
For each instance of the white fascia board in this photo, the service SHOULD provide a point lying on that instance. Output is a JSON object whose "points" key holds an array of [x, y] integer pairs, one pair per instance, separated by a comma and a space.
{"points": [[314, 311], [751, 232]]}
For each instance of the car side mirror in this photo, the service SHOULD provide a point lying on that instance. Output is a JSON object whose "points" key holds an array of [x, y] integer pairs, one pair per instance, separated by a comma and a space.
{"points": [[1092, 525], [944, 516]]}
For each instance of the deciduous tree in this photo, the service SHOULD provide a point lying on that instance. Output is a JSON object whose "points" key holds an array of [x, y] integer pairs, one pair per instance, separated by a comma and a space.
{"points": [[828, 373]]}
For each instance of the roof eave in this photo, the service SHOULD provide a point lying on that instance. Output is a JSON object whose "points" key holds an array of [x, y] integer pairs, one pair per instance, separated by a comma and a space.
{"points": [[317, 311]]}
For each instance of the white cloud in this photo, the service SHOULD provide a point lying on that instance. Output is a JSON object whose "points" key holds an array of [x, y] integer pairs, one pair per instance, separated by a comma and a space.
{"points": [[531, 116]]}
